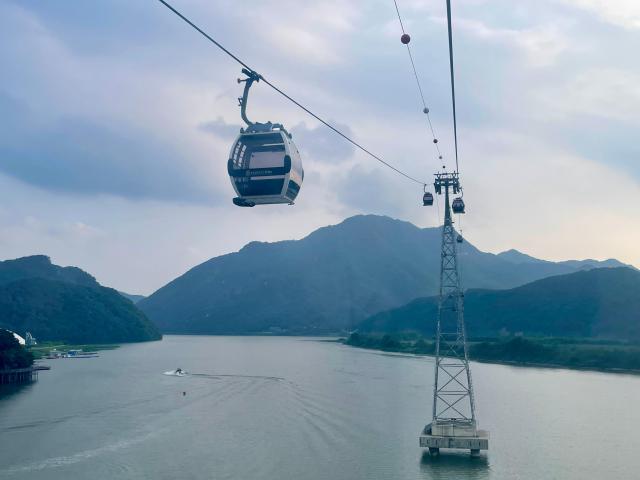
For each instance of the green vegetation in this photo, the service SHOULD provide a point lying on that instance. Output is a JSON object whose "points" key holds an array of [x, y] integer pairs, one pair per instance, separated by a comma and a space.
{"points": [[43, 348], [552, 352], [73, 313], [409, 343], [599, 303], [66, 304], [327, 282], [12, 354]]}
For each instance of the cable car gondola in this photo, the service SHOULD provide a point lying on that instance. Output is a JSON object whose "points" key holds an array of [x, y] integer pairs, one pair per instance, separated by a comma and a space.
{"points": [[458, 205], [427, 199], [459, 238], [264, 164]]}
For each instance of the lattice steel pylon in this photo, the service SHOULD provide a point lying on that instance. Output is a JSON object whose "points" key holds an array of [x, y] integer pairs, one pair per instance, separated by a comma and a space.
{"points": [[453, 423]]}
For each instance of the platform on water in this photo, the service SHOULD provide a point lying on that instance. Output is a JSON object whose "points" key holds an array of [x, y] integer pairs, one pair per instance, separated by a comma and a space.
{"points": [[21, 375], [454, 433]]}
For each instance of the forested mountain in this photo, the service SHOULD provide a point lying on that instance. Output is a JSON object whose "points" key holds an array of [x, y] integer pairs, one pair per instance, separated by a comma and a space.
{"points": [[66, 304], [40, 266], [327, 282], [600, 303]]}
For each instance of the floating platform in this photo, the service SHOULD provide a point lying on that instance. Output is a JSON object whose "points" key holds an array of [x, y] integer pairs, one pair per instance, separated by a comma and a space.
{"points": [[454, 434]]}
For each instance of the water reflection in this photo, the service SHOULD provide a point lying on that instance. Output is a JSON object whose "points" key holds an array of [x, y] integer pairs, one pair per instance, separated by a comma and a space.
{"points": [[7, 391], [458, 465]]}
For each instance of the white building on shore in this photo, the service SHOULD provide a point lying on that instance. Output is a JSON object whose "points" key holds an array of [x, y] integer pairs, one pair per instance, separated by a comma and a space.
{"points": [[17, 337]]}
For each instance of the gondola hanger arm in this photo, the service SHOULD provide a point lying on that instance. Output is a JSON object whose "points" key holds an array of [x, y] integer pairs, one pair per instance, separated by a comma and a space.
{"points": [[242, 101], [252, 76]]}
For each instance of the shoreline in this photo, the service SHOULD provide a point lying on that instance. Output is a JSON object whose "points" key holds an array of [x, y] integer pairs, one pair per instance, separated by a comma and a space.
{"points": [[41, 351], [401, 349]]}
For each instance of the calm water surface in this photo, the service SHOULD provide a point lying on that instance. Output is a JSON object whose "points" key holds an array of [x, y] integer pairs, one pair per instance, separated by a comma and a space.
{"points": [[278, 408]]}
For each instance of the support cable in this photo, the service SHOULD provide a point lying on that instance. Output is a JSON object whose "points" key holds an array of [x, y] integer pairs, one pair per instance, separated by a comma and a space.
{"points": [[453, 86], [298, 104], [420, 91]]}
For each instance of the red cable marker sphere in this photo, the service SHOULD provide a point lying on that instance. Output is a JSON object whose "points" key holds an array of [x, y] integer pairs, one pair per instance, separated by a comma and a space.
{"points": [[405, 38]]}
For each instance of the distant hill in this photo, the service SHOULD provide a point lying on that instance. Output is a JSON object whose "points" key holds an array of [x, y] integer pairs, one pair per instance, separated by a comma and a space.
{"points": [[514, 256], [131, 296], [601, 303], [327, 282], [66, 304], [519, 258]]}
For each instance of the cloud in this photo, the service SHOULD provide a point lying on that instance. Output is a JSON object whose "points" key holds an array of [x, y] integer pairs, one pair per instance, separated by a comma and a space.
{"points": [[374, 190], [593, 114], [546, 201], [541, 44], [310, 32], [624, 13], [322, 144], [81, 155], [607, 93], [220, 128]]}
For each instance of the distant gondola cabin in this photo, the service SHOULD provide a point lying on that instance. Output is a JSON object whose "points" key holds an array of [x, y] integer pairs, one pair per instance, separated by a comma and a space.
{"points": [[458, 205]]}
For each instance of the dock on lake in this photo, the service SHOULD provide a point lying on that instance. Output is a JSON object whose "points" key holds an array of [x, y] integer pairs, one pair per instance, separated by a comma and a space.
{"points": [[21, 375]]}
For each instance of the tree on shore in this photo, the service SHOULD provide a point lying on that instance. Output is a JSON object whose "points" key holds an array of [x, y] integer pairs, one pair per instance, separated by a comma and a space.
{"points": [[12, 354]]}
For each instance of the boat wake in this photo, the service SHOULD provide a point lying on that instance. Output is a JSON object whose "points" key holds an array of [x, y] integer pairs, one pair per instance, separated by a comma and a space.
{"points": [[176, 373], [182, 373], [65, 461], [220, 375]]}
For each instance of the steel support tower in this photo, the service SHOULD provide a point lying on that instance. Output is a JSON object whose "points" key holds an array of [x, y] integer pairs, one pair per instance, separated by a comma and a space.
{"points": [[453, 423]]}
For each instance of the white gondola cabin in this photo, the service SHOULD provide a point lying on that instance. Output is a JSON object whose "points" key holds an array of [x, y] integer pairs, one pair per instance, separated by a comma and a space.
{"points": [[264, 164], [265, 168]]}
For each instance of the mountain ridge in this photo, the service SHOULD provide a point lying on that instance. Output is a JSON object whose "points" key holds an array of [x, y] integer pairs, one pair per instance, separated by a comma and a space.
{"points": [[326, 282], [40, 266]]}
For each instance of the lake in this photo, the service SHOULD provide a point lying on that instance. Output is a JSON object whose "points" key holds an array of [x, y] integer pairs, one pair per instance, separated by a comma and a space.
{"points": [[298, 408]]}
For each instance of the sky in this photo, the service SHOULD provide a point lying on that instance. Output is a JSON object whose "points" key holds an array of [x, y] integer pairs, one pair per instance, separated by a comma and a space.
{"points": [[118, 120]]}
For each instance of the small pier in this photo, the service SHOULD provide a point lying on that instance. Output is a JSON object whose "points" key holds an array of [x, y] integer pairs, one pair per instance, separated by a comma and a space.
{"points": [[21, 375]]}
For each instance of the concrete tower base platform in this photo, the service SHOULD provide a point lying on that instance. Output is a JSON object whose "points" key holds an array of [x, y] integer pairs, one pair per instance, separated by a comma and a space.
{"points": [[454, 434]]}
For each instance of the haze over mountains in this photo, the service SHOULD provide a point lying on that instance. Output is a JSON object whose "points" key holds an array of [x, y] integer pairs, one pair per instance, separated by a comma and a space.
{"points": [[133, 297], [66, 304], [330, 280]]}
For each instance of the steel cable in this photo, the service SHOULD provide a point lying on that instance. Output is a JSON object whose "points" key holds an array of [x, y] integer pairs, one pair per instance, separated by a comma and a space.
{"points": [[420, 91], [453, 85], [295, 102]]}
